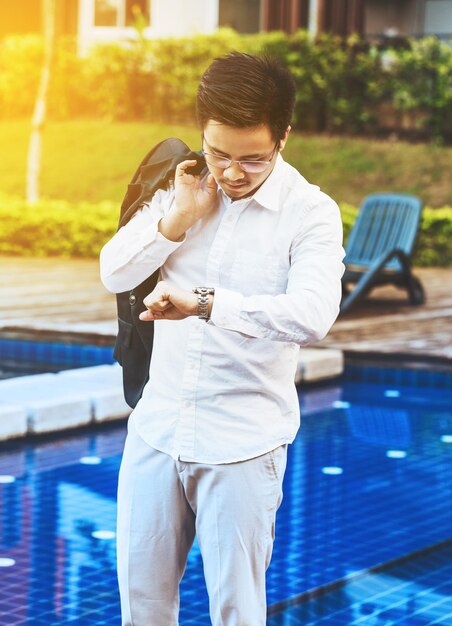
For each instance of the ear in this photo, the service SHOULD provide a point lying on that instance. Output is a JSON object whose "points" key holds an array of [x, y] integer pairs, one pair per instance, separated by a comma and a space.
{"points": [[283, 141]]}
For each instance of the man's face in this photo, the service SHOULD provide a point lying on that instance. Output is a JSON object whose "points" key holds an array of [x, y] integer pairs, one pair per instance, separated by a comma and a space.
{"points": [[240, 144]]}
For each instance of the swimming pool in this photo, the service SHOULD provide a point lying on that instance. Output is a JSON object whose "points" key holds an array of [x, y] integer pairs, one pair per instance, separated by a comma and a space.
{"points": [[20, 355], [363, 534]]}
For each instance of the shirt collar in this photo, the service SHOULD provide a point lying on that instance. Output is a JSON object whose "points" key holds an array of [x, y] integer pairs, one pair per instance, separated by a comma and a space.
{"points": [[269, 192]]}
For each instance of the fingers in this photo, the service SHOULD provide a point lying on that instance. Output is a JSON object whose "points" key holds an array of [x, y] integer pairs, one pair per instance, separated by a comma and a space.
{"points": [[182, 167], [168, 302], [161, 305], [155, 311], [157, 302], [211, 182], [158, 295], [146, 316]]}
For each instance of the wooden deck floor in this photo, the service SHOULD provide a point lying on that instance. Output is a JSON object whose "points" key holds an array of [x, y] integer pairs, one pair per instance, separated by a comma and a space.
{"points": [[67, 296]]}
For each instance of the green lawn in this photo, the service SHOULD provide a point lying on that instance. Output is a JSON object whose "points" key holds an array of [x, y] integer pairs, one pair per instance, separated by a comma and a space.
{"points": [[93, 160]]}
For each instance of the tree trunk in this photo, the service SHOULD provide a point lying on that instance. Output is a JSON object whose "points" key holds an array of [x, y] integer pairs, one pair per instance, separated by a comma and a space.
{"points": [[39, 114]]}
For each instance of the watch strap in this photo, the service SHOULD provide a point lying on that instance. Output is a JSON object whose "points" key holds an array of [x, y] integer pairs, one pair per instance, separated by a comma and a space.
{"points": [[203, 294]]}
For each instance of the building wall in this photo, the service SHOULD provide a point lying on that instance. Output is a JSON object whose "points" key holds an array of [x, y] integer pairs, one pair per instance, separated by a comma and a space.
{"points": [[176, 18], [403, 17], [408, 17], [24, 16], [19, 17], [167, 18]]}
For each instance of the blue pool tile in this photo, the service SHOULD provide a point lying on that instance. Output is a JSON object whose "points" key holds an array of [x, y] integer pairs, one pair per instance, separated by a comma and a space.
{"points": [[51, 355], [414, 593], [330, 525]]}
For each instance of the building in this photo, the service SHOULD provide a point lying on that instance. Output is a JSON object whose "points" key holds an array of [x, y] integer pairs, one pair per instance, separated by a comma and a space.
{"points": [[94, 21]]}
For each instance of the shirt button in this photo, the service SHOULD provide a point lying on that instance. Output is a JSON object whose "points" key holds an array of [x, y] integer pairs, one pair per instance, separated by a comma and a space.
{"points": [[132, 299], [187, 404]]}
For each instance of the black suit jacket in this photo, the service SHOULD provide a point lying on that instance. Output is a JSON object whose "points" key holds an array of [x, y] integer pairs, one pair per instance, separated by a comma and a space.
{"points": [[133, 347]]}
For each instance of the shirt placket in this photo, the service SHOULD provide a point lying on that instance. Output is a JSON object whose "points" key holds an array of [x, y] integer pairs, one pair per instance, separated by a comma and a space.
{"points": [[185, 439], [223, 235], [186, 429]]}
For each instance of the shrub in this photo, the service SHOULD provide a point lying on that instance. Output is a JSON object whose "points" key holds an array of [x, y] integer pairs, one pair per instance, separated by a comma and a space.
{"points": [[421, 85], [55, 227], [20, 60], [58, 228], [434, 245]]}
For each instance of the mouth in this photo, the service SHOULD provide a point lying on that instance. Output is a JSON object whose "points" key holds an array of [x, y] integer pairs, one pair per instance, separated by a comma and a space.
{"points": [[234, 185]]}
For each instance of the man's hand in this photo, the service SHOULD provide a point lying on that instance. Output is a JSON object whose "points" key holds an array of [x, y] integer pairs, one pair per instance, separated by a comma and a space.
{"points": [[168, 302], [194, 199]]}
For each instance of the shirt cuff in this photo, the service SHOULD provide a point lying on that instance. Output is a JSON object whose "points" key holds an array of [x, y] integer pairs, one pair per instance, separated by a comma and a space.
{"points": [[227, 313], [226, 309]]}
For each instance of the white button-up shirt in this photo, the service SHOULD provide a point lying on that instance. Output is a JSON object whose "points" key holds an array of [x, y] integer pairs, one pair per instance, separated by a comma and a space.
{"points": [[223, 391]]}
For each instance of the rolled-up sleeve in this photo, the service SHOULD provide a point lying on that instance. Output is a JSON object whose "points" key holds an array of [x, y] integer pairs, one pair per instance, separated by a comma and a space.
{"points": [[138, 248], [307, 310]]}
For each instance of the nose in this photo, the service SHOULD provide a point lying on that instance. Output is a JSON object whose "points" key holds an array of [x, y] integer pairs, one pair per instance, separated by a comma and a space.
{"points": [[234, 172]]}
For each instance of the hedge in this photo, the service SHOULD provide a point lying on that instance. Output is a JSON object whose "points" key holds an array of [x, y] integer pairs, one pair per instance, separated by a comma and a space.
{"points": [[59, 228], [345, 86]]}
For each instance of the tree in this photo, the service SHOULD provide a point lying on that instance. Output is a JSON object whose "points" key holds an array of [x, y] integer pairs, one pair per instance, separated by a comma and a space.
{"points": [[39, 113]]}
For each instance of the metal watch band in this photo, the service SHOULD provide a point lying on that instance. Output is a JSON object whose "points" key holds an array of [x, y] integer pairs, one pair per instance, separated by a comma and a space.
{"points": [[203, 294]]}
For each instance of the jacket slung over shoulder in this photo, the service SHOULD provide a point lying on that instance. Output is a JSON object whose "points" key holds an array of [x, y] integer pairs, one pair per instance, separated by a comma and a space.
{"points": [[133, 347]]}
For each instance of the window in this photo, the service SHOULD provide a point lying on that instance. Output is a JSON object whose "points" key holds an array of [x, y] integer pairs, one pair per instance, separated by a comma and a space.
{"points": [[106, 12], [134, 8], [438, 17], [244, 17], [120, 12]]}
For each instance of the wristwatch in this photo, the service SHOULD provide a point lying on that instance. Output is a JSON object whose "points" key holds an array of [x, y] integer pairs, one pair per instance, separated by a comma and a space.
{"points": [[203, 294]]}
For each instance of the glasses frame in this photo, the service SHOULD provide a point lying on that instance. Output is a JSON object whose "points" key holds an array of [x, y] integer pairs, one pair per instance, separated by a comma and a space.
{"points": [[241, 162]]}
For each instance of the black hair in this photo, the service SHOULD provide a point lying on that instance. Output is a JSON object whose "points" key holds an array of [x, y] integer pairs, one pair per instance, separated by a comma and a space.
{"points": [[242, 90]]}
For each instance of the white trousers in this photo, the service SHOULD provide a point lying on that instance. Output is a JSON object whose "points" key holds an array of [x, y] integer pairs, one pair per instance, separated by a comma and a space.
{"points": [[162, 503]]}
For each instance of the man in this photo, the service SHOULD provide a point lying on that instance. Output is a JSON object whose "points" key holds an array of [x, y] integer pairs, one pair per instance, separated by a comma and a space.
{"points": [[206, 447]]}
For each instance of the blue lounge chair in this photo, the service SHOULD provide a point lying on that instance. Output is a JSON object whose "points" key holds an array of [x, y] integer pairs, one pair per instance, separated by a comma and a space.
{"points": [[380, 246]]}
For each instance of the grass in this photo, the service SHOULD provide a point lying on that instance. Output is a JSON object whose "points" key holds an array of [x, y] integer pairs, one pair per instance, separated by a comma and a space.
{"points": [[93, 160]]}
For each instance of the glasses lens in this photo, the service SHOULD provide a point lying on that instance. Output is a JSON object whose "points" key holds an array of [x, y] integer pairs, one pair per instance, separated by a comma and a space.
{"points": [[217, 161], [254, 167]]}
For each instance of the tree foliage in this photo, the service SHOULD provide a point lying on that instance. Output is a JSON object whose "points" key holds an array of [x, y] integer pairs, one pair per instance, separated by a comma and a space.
{"points": [[343, 85]]}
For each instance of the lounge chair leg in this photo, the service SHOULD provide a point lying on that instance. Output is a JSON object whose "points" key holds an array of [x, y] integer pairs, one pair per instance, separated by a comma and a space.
{"points": [[416, 291]]}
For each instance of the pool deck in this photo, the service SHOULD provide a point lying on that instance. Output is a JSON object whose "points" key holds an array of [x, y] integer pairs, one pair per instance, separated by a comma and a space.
{"points": [[66, 296], [64, 300]]}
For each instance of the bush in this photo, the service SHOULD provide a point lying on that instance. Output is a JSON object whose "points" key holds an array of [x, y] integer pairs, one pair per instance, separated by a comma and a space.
{"points": [[339, 82], [20, 60], [421, 85], [58, 228], [434, 246], [343, 85], [55, 227]]}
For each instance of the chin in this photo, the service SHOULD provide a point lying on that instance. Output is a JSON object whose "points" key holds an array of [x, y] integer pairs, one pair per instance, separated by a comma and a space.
{"points": [[237, 191], [238, 194]]}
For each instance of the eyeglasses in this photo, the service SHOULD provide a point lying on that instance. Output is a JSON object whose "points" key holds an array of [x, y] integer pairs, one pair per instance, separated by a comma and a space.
{"points": [[251, 167]]}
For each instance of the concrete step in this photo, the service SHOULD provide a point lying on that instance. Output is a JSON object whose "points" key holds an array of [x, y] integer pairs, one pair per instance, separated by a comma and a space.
{"points": [[316, 364], [51, 402]]}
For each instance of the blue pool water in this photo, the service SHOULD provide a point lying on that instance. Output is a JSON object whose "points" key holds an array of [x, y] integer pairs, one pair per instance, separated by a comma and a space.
{"points": [[363, 534], [28, 356]]}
